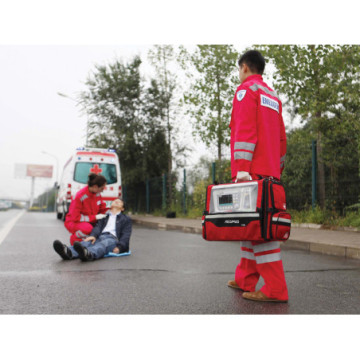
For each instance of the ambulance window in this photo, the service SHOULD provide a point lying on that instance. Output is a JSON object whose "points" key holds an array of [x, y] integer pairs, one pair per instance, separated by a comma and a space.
{"points": [[83, 169]]}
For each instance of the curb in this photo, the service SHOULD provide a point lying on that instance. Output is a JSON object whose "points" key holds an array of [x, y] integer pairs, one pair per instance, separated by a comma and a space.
{"points": [[324, 227], [320, 248], [161, 226]]}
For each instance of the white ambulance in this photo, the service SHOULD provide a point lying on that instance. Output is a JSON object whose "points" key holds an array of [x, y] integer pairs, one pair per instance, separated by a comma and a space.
{"points": [[75, 176]]}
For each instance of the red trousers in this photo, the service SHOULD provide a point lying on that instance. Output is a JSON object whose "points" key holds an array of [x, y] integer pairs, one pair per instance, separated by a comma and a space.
{"points": [[79, 231], [262, 259]]}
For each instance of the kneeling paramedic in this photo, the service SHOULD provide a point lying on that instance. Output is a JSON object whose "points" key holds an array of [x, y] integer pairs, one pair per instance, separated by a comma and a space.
{"points": [[86, 208], [111, 234], [258, 148]]}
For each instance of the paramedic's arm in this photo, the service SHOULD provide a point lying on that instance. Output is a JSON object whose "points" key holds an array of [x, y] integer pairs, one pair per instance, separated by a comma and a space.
{"points": [[245, 132], [102, 211], [75, 211], [103, 208], [282, 143]]}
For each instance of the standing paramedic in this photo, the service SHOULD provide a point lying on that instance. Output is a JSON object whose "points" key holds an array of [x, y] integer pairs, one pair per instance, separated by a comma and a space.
{"points": [[258, 148], [86, 209]]}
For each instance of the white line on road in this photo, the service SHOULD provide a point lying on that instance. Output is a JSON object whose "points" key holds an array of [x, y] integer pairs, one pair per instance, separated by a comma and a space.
{"points": [[9, 225]]}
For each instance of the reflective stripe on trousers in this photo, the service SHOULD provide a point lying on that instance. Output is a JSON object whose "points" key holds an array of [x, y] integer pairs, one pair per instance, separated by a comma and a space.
{"points": [[80, 234], [261, 253]]}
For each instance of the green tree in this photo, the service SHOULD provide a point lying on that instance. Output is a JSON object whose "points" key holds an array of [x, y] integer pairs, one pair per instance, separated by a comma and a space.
{"points": [[297, 174], [321, 82], [112, 101], [126, 116], [162, 57], [211, 70], [154, 136]]}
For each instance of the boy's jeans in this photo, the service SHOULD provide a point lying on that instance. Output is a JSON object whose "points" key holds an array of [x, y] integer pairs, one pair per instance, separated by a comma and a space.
{"points": [[104, 244]]}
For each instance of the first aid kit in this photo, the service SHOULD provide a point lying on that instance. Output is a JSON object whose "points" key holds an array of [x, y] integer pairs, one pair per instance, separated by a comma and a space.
{"points": [[249, 210]]}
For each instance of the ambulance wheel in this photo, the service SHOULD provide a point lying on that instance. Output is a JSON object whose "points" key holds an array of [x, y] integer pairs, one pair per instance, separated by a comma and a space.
{"points": [[58, 214], [63, 215]]}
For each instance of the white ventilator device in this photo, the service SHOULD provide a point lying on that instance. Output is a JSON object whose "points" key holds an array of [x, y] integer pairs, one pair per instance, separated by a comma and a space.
{"points": [[238, 197]]}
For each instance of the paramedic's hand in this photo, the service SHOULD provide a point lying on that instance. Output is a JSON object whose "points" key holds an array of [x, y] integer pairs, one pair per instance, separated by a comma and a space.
{"points": [[100, 216], [116, 250], [242, 176], [91, 238]]}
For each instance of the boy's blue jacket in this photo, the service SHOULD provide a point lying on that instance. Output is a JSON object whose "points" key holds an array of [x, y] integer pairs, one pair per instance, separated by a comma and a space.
{"points": [[123, 230]]}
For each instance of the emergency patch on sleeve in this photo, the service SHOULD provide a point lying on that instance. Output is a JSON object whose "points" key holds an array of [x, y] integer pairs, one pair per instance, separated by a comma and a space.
{"points": [[240, 94], [270, 103]]}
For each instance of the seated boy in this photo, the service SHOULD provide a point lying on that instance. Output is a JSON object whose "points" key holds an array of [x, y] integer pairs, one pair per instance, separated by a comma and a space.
{"points": [[111, 234]]}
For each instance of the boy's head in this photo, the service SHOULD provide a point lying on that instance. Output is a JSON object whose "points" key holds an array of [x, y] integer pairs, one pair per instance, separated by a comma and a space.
{"points": [[250, 63], [118, 205]]}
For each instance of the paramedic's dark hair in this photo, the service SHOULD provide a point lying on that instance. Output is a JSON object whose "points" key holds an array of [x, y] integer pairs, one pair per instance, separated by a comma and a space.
{"points": [[98, 180], [254, 60]]}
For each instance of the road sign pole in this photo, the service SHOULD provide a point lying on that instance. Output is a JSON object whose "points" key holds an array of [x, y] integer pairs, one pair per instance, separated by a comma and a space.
{"points": [[32, 191], [147, 196]]}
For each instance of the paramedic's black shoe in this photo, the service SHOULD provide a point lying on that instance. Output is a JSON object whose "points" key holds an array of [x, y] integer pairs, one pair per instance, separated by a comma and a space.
{"points": [[84, 253], [233, 284], [62, 250]]}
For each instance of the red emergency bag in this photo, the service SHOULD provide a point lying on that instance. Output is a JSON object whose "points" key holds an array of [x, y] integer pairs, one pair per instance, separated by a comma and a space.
{"points": [[249, 210]]}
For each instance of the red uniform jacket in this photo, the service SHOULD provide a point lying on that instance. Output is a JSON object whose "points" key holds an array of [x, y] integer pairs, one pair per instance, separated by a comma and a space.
{"points": [[258, 139], [85, 207]]}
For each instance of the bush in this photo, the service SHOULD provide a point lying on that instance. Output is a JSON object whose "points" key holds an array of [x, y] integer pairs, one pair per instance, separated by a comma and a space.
{"points": [[325, 217]]}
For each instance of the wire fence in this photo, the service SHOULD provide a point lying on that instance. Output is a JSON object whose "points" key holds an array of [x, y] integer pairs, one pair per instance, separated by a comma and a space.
{"points": [[188, 188], [182, 193]]}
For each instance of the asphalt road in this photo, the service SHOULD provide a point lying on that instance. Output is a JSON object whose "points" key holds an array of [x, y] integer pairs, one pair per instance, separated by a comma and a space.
{"points": [[169, 272]]}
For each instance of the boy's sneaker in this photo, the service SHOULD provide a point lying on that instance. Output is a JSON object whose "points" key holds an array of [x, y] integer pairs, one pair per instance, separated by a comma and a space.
{"points": [[84, 253], [62, 250]]}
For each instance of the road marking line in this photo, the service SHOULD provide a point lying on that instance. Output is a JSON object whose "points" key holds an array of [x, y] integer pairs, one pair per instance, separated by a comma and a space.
{"points": [[9, 225]]}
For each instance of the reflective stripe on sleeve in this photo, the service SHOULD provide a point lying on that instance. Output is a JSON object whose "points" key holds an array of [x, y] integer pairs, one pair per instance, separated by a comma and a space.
{"points": [[244, 146], [256, 87], [268, 258], [83, 197], [84, 218], [243, 155]]}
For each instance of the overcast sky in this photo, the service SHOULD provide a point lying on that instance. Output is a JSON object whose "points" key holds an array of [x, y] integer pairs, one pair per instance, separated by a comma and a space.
{"points": [[34, 117]]}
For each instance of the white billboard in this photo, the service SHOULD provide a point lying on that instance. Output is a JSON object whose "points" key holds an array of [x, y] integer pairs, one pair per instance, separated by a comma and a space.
{"points": [[25, 170]]}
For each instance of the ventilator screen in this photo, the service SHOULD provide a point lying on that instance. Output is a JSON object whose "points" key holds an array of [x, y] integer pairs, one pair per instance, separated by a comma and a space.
{"points": [[225, 200]]}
